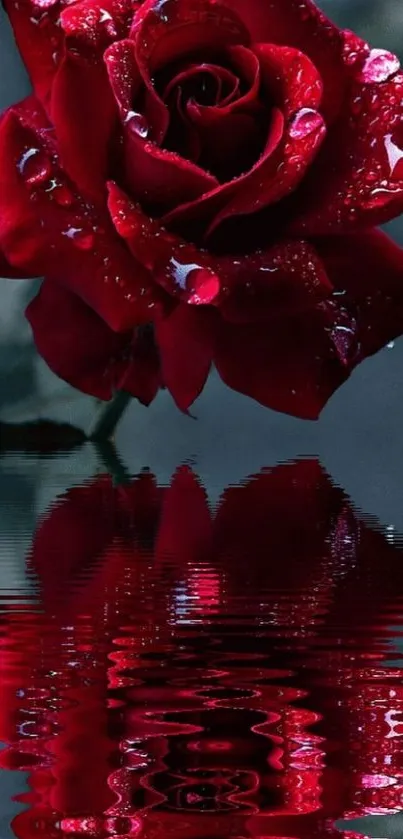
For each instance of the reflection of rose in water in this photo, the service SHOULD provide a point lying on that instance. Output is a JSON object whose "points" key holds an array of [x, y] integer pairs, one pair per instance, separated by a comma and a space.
{"points": [[200, 675]]}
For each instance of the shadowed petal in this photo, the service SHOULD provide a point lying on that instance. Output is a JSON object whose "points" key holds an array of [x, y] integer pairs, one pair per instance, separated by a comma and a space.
{"points": [[294, 364], [79, 347]]}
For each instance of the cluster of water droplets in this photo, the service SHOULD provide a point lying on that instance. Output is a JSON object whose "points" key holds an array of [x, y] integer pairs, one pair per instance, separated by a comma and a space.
{"points": [[343, 330], [376, 179]]}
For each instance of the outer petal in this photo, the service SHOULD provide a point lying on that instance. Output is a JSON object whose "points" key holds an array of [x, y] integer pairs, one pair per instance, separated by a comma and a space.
{"points": [[185, 340], [285, 278], [83, 112], [367, 268], [179, 267], [79, 347], [289, 366], [289, 77], [299, 23], [39, 39], [288, 278], [357, 181], [295, 365], [174, 28], [46, 228]]}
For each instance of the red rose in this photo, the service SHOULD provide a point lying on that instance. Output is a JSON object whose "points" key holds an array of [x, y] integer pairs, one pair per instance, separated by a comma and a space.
{"points": [[198, 181]]}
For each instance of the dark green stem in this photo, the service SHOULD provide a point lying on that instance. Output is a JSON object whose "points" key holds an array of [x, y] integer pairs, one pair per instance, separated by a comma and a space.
{"points": [[108, 416]]}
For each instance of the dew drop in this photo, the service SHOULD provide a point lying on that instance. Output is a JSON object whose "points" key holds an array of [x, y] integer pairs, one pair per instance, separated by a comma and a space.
{"points": [[107, 19], [379, 67], [381, 196], [395, 154], [204, 287], [82, 239], [344, 339], [44, 4], [305, 122], [61, 193], [202, 284], [34, 166], [137, 123]]}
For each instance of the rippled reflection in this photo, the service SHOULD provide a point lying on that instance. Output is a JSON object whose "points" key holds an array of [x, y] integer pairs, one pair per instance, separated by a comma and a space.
{"points": [[196, 673]]}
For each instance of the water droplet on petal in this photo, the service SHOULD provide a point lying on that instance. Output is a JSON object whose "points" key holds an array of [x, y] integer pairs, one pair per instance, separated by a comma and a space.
{"points": [[44, 4], [34, 166], [379, 67], [61, 193], [395, 154], [381, 196], [137, 123], [202, 284], [82, 239], [305, 122], [107, 19], [204, 287], [344, 337]]}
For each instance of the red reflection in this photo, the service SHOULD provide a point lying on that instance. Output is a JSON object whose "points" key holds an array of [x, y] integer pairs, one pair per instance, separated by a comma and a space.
{"points": [[201, 674]]}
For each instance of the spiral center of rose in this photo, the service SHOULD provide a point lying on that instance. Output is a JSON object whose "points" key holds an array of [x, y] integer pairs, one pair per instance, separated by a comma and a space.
{"points": [[216, 118]]}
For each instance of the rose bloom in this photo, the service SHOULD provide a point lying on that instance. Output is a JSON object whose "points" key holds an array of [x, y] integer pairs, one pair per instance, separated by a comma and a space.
{"points": [[198, 181]]}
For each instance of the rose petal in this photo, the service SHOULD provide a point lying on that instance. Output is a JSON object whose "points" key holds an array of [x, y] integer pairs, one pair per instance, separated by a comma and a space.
{"points": [[164, 31], [185, 340], [367, 270], [230, 143], [184, 271], [300, 24], [90, 25], [46, 228], [155, 176], [198, 213], [230, 135], [222, 77], [83, 112], [247, 68], [79, 347], [296, 364], [287, 278], [289, 78], [126, 82], [288, 366], [10, 272], [264, 286], [288, 154], [40, 41], [357, 180]]}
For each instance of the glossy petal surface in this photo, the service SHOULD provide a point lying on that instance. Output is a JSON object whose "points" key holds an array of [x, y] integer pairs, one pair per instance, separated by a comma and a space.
{"points": [[47, 228]]}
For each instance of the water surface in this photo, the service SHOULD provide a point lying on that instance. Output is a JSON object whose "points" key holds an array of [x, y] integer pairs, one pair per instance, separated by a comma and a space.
{"points": [[173, 667]]}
